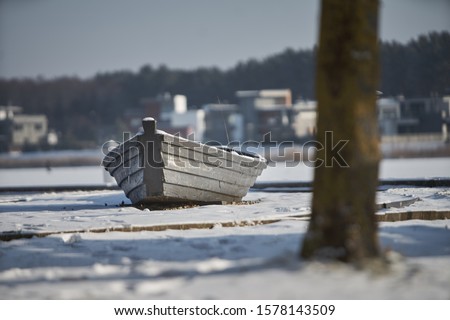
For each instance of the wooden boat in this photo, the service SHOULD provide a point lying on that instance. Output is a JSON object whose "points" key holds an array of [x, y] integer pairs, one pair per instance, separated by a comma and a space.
{"points": [[154, 166]]}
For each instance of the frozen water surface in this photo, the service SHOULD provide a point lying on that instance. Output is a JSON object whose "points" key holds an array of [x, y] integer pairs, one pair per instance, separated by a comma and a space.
{"points": [[280, 171]]}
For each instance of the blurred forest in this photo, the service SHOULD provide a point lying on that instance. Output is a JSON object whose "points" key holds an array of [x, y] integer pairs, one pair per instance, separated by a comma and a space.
{"points": [[86, 112]]}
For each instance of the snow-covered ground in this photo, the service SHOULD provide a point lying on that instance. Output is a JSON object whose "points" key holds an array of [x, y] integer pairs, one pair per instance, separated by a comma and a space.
{"points": [[226, 252]]}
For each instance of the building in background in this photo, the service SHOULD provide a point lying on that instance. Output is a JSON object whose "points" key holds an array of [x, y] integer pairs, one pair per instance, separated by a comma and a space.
{"points": [[171, 113], [23, 131], [304, 119], [266, 111], [388, 116], [446, 119], [425, 115], [413, 127], [268, 116], [190, 124], [418, 116], [223, 124]]}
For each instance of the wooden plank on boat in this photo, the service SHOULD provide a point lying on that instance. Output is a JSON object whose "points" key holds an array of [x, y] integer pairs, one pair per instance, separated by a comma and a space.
{"points": [[130, 182], [199, 194], [202, 169], [213, 152], [184, 156], [137, 194], [122, 153], [199, 182], [121, 173]]}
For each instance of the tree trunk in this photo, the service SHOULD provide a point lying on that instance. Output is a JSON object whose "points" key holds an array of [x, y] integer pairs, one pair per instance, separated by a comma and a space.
{"points": [[343, 225]]}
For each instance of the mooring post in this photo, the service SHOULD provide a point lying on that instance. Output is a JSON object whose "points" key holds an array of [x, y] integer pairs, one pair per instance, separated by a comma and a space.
{"points": [[149, 125]]}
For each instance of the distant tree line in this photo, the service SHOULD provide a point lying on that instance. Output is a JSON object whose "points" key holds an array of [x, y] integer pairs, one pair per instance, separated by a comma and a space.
{"points": [[85, 111]]}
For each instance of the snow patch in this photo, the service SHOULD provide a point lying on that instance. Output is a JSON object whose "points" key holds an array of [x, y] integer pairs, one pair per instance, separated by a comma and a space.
{"points": [[71, 238]]}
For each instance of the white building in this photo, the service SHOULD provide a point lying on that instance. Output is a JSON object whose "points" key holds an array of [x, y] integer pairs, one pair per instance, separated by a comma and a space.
{"points": [[446, 118], [266, 111], [29, 129], [305, 117], [193, 120], [18, 130], [388, 116]]}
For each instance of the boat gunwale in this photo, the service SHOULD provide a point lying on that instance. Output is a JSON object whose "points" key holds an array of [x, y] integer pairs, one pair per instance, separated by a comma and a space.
{"points": [[219, 152], [112, 170]]}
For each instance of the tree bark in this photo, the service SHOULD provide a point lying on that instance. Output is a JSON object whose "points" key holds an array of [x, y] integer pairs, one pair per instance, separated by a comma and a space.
{"points": [[343, 225]]}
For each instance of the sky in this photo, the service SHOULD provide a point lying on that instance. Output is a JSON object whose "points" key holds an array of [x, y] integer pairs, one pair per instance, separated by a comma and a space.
{"points": [[51, 38]]}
